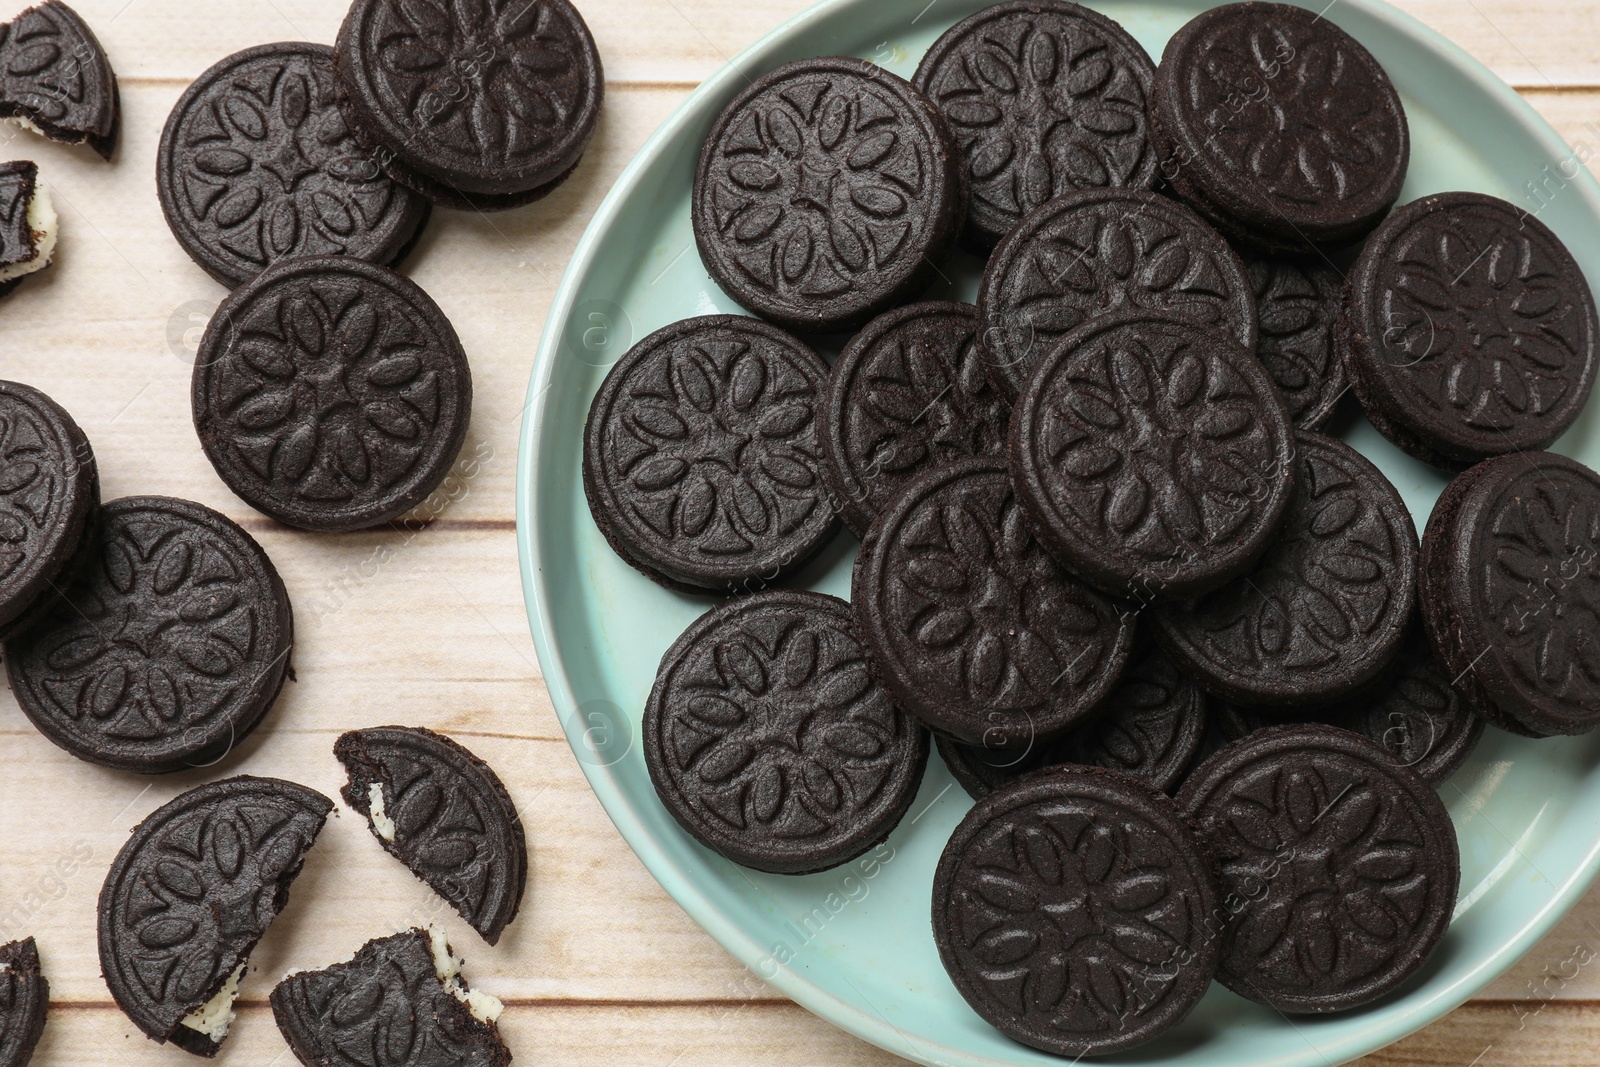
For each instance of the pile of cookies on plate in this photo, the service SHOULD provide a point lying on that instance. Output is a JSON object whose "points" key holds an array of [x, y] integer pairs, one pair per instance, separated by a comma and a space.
{"points": [[152, 634], [1100, 530]]}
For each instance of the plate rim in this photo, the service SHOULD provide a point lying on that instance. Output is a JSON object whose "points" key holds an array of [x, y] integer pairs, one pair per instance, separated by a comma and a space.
{"points": [[1390, 1022]]}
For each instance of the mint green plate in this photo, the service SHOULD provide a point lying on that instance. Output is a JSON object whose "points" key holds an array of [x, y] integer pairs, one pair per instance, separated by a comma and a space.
{"points": [[853, 944]]}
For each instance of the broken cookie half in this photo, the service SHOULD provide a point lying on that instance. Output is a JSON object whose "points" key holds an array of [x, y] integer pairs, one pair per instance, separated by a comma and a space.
{"points": [[28, 224], [56, 80], [192, 892], [24, 998], [445, 814], [400, 1002]]}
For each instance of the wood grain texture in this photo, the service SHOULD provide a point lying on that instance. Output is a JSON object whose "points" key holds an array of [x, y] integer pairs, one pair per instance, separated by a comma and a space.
{"points": [[426, 625]]}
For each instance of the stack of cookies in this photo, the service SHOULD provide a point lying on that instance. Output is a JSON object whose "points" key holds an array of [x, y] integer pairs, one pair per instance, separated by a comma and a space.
{"points": [[330, 392], [1102, 529]]}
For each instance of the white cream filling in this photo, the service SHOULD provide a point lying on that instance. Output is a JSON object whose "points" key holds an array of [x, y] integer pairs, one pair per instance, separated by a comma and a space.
{"points": [[215, 1016], [22, 122], [447, 965], [44, 224], [380, 819]]}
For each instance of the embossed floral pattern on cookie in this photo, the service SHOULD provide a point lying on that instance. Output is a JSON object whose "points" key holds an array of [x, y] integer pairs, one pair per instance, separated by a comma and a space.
{"points": [[700, 458], [827, 192], [257, 164], [193, 890], [1101, 252], [331, 393], [769, 740], [1044, 99], [168, 650], [1073, 910], [973, 626]]}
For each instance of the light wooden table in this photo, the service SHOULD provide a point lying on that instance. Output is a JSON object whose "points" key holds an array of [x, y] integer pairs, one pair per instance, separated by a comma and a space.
{"points": [[428, 627]]}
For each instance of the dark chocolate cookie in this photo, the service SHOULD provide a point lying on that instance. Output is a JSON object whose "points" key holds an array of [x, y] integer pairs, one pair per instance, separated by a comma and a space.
{"points": [[769, 741], [1153, 454], [1074, 910], [1297, 311], [1339, 868], [828, 192], [907, 394], [1411, 709], [168, 649], [1045, 97], [192, 892], [445, 814], [485, 104], [331, 393], [49, 494], [24, 1000], [1511, 590], [1325, 609], [28, 224], [257, 165], [400, 1002], [1279, 127], [1101, 251], [55, 78], [1150, 726], [699, 457], [1470, 330], [971, 625]]}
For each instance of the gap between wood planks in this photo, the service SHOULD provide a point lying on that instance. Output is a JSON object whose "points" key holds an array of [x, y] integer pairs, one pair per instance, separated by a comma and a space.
{"points": [[541, 1003], [778, 1001], [627, 86], [259, 523], [612, 85]]}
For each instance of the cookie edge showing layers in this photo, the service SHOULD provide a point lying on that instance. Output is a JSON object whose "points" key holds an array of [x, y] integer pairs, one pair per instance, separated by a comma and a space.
{"points": [[360, 752]]}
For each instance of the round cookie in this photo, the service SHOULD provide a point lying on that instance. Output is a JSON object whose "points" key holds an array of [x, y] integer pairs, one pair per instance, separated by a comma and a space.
{"points": [[1097, 252], [49, 493], [445, 814], [1151, 726], [699, 456], [1153, 455], [1279, 127], [1411, 709], [971, 625], [768, 740], [1045, 97], [167, 651], [1298, 302], [56, 77], [24, 1002], [1325, 609], [256, 165], [1469, 330], [192, 891], [828, 192], [485, 105], [1510, 591], [907, 394], [331, 393], [1074, 910], [1339, 868]]}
